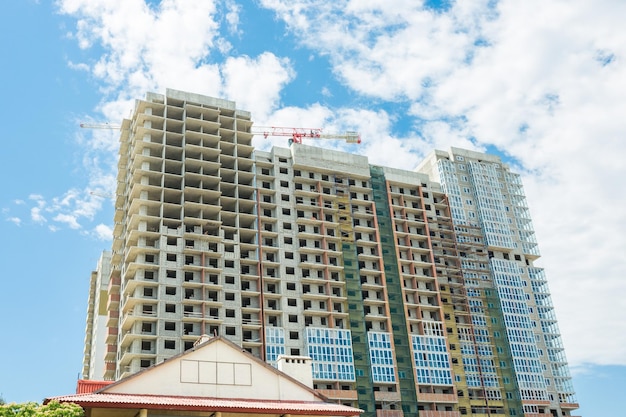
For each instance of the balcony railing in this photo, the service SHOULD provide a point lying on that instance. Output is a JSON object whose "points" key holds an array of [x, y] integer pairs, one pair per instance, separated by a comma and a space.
{"points": [[391, 413], [436, 413]]}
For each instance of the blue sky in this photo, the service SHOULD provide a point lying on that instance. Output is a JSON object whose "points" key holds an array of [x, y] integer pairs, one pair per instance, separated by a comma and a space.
{"points": [[540, 82]]}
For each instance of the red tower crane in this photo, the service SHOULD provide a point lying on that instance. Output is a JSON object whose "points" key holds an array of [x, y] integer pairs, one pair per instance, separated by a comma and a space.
{"points": [[296, 134]]}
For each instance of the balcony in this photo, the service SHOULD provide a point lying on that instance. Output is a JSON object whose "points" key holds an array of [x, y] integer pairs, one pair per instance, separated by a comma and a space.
{"points": [[111, 337], [436, 398], [112, 318], [114, 300], [110, 354], [114, 285], [337, 394], [387, 396], [392, 413], [436, 413], [250, 323], [193, 315]]}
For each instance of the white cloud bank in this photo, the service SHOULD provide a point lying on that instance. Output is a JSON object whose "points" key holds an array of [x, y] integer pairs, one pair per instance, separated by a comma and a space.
{"points": [[542, 80], [175, 44]]}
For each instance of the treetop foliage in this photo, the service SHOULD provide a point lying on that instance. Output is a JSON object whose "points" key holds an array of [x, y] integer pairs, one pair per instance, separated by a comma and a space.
{"points": [[32, 409]]}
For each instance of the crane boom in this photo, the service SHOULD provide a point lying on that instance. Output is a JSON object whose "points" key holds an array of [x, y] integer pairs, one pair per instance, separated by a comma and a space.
{"points": [[99, 126], [299, 133], [98, 194]]}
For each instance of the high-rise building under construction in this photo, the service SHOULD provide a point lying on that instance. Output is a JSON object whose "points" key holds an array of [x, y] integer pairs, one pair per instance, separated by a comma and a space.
{"points": [[413, 292]]}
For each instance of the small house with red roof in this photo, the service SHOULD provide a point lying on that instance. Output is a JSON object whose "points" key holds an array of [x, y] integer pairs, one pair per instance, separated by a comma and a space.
{"points": [[216, 378]]}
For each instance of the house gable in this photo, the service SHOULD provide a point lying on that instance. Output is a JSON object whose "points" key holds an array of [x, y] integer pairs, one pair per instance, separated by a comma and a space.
{"points": [[219, 369]]}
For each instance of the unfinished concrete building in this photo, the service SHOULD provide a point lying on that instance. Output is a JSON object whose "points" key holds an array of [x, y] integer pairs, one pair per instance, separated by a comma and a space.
{"points": [[407, 297]]}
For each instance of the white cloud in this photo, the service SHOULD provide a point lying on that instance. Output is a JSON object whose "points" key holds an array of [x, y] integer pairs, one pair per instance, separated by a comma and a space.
{"points": [[15, 220], [315, 115], [147, 49], [68, 220], [388, 50], [36, 216], [255, 84], [78, 66], [172, 46], [377, 143], [232, 17], [69, 209], [35, 197], [103, 232], [35, 212]]}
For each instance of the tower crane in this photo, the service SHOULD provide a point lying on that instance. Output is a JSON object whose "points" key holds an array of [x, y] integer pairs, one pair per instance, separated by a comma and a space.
{"points": [[296, 134]]}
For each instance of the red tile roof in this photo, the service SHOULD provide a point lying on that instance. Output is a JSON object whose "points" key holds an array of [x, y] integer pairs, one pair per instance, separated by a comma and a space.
{"points": [[134, 401], [84, 386]]}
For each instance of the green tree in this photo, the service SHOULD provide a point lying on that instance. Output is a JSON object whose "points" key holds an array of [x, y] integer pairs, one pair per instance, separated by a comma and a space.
{"points": [[32, 409]]}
